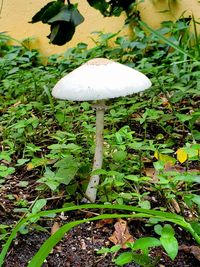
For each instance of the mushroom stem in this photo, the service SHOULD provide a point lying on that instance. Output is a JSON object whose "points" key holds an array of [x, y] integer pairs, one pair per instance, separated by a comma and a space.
{"points": [[91, 191]]}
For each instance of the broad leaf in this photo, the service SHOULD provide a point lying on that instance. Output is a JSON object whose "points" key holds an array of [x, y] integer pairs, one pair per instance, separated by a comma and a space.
{"points": [[120, 156], [142, 260], [76, 17], [170, 245], [63, 15], [47, 12], [64, 33], [169, 242], [145, 243], [65, 176], [124, 258], [101, 5], [39, 204]]}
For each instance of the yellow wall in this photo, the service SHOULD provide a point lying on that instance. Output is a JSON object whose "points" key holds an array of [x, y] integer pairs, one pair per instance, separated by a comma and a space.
{"points": [[16, 14], [155, 11]]}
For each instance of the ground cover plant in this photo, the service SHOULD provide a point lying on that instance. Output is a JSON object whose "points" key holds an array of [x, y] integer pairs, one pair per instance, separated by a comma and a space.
{"points": [[150, 175]]}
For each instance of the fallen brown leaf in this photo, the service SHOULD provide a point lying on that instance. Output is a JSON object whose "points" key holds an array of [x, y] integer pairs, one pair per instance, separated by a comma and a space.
{"points": [[121, 234], [55, 228], [104, 222], [151, 172]]}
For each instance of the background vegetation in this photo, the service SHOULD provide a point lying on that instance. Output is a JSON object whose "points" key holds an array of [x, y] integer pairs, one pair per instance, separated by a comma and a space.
{"points": [[152, 150]]}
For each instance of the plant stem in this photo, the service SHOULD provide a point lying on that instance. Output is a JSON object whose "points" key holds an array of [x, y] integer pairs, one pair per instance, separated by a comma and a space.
{"points": [[98, 156]]}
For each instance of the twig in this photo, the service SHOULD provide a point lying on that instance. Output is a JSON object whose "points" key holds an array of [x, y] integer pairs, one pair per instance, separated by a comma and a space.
{"points": [[90, 212]]}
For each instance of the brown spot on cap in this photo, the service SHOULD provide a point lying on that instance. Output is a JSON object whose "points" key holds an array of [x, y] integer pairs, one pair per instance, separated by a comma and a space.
{"points": [[98, 61]]}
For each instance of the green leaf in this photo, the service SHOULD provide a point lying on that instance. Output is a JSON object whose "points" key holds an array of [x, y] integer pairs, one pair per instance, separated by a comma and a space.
{"points": [[119, 156], [124, 258], [66, 162], [187, 177], [65, 176], [76, 17], [39, 204], [168, 241], [47, 12], [115, 248], [131, 177], [63, 15], [72, 147], [103, 251], [61, 32], [170, 245], [167, 231], [100, 5], [99, 172], [190, 199], [159, 165], [196, 227], [145, 204], [183, 117], [54, 32], [158, 229], [145, 243], [21, 162], [196, 199], [60, 116], [38, 16], [5, 171], [142, 260], [5, 155], [68, 14], [53, 185], [57, 146]]}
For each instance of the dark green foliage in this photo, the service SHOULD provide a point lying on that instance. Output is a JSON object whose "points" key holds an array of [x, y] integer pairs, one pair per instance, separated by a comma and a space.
{"points": [[100, 5], [62, 19], [47, 12], [112, 7], [61, 32]]}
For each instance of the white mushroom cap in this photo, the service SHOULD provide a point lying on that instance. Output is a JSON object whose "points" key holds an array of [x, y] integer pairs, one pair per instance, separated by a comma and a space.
{"points": [[99, 79]]}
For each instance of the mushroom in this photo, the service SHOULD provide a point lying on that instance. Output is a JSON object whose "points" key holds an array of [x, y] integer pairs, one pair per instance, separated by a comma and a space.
{"points": [[99, 79]]}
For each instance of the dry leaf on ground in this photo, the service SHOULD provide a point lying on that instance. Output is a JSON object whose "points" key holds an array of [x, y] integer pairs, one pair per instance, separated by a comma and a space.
{"points": [[55, 228], [104, 222], [121, 234]]}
